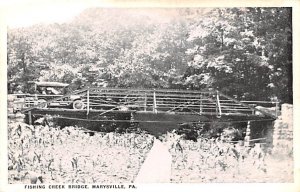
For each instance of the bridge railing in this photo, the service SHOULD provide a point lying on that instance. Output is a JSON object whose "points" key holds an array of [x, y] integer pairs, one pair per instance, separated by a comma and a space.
{"points": [[160, 100], [172, 101]]}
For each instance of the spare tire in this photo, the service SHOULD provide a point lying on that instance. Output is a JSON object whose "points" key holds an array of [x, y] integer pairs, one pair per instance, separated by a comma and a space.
{"points": [[78, 104]]}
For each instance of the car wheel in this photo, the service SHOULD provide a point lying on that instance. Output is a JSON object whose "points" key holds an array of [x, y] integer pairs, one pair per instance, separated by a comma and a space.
{"points": [[78, 104]]}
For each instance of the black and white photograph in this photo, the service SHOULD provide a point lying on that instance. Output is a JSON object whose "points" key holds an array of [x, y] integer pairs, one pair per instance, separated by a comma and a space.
{"points": [[115, 97]]}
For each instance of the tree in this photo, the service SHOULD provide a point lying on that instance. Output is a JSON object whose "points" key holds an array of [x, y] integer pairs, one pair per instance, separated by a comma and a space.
{"points": [[243, 52], [230, 53]]}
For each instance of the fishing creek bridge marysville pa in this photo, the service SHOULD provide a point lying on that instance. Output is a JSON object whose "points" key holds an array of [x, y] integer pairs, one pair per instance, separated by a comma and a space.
{"points": [[156, 111], [186, 114]]}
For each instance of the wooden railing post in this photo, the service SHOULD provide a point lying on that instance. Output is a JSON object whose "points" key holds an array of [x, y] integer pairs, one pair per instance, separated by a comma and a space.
{"points": [[88, 101], [145, 102], [154, 102], [218, 105], [201, 105], [248, 134], [29, 118]]}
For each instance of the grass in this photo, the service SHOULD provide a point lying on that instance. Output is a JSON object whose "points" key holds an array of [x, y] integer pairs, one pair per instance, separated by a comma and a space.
{"points": [[71, 156]]}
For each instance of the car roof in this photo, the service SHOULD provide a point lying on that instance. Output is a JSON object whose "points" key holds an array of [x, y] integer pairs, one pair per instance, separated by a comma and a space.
{"points": [[51, 84]]}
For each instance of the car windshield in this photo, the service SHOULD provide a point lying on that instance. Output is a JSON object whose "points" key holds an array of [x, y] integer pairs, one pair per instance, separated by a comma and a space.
{"points": [[51, 88]]}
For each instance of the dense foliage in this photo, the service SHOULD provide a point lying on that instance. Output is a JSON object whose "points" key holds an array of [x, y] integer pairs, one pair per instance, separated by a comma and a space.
{"points": [[243, 52]]}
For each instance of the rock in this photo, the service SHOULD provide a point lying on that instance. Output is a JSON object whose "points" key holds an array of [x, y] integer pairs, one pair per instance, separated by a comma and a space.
{"points": [[20, 115], [10, 110], [11, 98], [287, 112]]}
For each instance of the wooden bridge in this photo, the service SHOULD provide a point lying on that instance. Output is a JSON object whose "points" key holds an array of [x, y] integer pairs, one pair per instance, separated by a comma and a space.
{"points": [[147, 106]]}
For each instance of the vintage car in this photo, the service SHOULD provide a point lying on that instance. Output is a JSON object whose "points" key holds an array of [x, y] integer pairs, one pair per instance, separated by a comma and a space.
{"points": [[49, 95]]}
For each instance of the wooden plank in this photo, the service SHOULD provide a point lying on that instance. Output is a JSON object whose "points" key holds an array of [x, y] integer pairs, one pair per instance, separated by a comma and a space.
{"points": [[176, 100], [115, 106], [254, 102], [258, 139], [228, 109], [150, 90], [148, 96], [115, 96], [59, 110], [183, 105], [173, 95], [234, 107], [232, 104]]}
